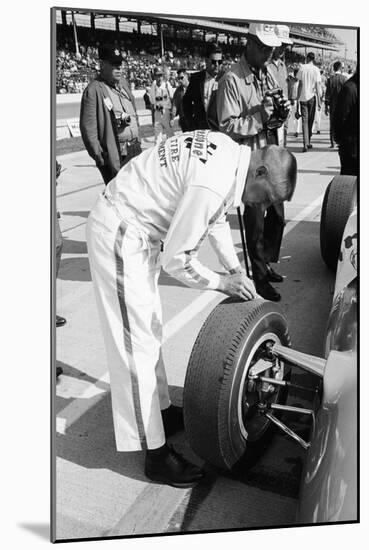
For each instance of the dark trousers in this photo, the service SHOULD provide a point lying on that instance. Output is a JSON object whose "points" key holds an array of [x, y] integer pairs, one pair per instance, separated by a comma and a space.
{"points": [[108, 172], [349, 160], [307, 115], [331, 122], [264, 233], [58, 244]]}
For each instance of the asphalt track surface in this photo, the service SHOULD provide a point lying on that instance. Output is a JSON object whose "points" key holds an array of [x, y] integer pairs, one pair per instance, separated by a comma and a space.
{"points": [[100, 492]]}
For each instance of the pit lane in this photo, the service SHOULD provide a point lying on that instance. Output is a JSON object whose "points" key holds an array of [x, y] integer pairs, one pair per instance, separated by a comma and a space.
{"points": [[103, 493]]}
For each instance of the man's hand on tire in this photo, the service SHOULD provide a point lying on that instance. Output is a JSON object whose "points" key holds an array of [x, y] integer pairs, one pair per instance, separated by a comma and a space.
{"points": [[238, 285]]}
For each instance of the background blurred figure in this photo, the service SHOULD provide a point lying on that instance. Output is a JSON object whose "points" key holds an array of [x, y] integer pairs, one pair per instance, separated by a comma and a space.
{"points": [[148, 104], [334, 85], [278, 68], [318, 111], [161, 94], [177, 107], [309, 97], [199, 101], [346, 125], [60, 321], [295, 118]]}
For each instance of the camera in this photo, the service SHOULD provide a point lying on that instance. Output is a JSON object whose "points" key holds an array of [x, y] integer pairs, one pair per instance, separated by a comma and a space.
{"points": [[280, 114], [124, 120]]}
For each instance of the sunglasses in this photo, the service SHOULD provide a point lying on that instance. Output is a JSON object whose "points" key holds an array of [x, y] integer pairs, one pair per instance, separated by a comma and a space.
{"points": [[216, 61]]}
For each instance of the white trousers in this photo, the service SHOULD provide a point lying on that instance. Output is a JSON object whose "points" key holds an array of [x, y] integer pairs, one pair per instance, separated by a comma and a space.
{"points": [[295, 124], [161, 125], [125, 271], [317, 119]]}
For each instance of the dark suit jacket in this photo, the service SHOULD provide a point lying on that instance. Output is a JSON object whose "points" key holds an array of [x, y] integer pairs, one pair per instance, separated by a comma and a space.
{"points": [[193, 104], [334, 86], [98, 125], [346, 116]]}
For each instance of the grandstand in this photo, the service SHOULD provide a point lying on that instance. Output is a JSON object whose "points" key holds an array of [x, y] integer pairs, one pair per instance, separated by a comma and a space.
{"points": [[148, 39]]}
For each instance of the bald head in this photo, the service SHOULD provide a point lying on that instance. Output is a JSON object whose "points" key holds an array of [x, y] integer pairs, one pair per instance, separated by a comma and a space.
{"points": [[271, 177]]}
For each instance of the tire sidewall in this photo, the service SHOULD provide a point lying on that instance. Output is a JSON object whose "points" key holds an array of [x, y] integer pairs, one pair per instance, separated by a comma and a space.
{"points": [[228, 417]]}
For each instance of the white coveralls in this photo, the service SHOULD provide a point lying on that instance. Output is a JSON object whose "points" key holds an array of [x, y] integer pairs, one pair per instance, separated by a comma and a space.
{"points": [[172, 195], [161, 96]]}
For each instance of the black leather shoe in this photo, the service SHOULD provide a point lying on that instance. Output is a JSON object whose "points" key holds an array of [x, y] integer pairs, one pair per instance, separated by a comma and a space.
{"points": [[309, 146], [60, 321], [273, 276], [171, 468], [59, 371], [267, 291], [304, 150], [172, 420]]}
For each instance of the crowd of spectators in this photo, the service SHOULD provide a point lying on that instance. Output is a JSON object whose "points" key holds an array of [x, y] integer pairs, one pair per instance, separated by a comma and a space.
{"points": [[141, 56], [314, 31]]}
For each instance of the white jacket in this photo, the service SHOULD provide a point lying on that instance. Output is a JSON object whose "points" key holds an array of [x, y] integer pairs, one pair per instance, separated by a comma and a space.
{"points": [[179, 191]]}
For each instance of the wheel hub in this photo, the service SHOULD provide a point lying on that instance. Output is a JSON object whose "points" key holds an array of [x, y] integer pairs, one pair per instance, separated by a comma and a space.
{"points": [[256, 392]]}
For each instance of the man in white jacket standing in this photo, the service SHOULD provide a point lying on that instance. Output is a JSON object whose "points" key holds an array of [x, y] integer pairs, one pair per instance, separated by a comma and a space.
{"points": [[156, 213], [161, 95]]}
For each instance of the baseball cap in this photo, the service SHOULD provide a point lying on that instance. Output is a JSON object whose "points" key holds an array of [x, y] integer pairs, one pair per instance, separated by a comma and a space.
{"points": [[158, 71], [283, 33], [265, 32], [110, 53]]}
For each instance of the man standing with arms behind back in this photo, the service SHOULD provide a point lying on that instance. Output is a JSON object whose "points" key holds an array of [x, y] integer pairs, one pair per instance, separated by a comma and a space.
{"points": [[244, 113], [334, 85], [309, 95], [161, 94], [108, 119]]}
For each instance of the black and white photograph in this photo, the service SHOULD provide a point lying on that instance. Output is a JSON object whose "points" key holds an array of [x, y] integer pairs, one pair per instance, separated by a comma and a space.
{"points": [[206, 177], [188, 279]]}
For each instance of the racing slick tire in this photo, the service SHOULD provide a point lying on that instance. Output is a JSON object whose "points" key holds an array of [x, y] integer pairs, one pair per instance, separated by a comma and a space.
{"points": [[220, 415], [339, 201]]}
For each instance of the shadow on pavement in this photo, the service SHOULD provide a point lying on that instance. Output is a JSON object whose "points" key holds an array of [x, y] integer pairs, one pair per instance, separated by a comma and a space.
{"points": [[90, 442], [74, 269], [320, 172], [167, 280], [71, 246], [232, 219], [315, 149], [81, 213]]}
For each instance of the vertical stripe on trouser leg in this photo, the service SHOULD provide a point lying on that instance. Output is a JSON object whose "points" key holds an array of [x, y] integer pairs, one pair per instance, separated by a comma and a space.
{"points": [[119, 263]]}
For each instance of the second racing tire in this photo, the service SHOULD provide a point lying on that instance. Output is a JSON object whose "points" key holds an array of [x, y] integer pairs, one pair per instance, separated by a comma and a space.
{"points": [[339, 201], [220, 411]]}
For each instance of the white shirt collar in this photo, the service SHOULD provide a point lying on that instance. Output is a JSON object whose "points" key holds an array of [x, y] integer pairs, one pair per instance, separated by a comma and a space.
{"points": [[243, 167]]}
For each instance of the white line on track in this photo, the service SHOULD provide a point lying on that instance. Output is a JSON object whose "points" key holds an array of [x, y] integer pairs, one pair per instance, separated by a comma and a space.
{"points": [[72, 412]]}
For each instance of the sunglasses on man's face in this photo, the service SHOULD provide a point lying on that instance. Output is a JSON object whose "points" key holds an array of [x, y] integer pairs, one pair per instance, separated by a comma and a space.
{"points": [[216, 61]]}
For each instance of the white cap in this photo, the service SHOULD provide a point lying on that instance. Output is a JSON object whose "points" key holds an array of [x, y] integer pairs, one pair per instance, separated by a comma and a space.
{"points": [[283, 33], [265, 33]]}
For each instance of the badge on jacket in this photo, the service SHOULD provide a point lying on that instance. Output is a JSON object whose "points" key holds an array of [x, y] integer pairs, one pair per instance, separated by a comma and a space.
{"points": [[108, 103]]}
